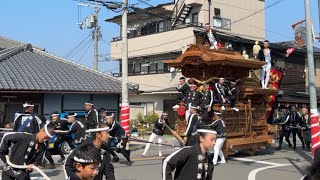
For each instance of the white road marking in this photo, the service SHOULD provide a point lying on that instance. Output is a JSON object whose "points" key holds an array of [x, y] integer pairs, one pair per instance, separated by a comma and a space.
{"points": [[255, 161], [252, 174]]}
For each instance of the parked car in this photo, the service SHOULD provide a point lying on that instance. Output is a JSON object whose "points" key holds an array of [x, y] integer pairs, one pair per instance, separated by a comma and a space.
{"points": [[65, 149]]}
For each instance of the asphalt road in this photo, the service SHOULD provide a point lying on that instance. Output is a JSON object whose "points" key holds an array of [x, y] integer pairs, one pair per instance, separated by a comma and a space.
{"points": [[267, 164]]}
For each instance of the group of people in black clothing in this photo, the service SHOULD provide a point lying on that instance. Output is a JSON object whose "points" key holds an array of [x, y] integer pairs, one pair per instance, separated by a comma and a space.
{"points": [[91, 135], [297, 123], [218, 92]]}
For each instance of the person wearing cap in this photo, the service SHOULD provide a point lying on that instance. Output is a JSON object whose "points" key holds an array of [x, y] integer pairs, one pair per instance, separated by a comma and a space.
{"points": [[27, 121], [92, 115], [211, 37], [192, 122], [306, 127], [265, 56], [120, 139], [224, 94], [157, 132], [183, 88], [63, 126], [77, 127], [207, 102], [192, 162], [194, 98], [103, 115], [23, 149], [98, 139], [219, 126]]}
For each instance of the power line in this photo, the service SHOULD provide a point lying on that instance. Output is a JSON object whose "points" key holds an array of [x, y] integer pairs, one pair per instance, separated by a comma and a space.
{"points": [[77, 46], [83, 53], [89, 41]]}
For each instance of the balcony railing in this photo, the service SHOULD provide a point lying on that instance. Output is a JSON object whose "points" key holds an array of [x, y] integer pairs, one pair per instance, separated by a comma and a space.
{"points": [[159, 30]]}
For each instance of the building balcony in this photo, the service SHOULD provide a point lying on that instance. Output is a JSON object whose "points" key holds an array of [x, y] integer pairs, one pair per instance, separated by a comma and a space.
{"points": [[161, 41]]}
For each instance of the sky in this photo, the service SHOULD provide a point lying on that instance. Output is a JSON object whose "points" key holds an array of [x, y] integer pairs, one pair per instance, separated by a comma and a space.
{"points": [[52, 24]]}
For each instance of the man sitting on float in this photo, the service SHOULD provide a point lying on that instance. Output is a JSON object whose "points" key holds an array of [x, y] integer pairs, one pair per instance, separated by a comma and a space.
{"points": [[225, 95]]}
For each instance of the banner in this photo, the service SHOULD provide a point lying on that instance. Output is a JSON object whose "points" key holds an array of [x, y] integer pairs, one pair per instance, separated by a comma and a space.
{"points": [[274, 83]]}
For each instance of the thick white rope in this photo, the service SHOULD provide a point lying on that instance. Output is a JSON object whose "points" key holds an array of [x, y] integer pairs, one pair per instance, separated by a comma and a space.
{"points": [[25, 167]]}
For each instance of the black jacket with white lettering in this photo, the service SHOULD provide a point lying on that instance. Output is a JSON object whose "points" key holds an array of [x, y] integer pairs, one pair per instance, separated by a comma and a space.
{"points": [[207, 99], [116, 130], [193, 121], [194, 98], [159, 127], [22, 149], [219, 126], [92, 118], [222, 89], [32, 127], [78, 129], [103, 157], [296, 118], [189, 164]]}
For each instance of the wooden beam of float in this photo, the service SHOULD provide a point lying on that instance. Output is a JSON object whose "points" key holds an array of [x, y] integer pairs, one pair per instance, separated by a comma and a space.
{"points": [[203, 63]]}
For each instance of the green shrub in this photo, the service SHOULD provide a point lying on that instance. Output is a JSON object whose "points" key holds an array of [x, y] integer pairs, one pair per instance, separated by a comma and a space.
{"points": [[151, 117], [140, 118]]}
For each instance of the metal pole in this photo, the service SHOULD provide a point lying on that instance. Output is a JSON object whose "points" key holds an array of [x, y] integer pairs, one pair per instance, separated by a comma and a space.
{"points": [[96, 36], [124, 61], [312, 88]]}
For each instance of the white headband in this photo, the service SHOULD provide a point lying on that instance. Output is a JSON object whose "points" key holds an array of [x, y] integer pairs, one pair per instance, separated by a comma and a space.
{"points": [[27, 105], [97, 130], [54, 114], [75, 114], [206, 131], [112, 115], [217, 113], [47, 132], [82, 160], [89, 104]]}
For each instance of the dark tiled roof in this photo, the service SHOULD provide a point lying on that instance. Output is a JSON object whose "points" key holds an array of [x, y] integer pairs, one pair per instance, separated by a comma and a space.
{"points": [[24, 68], [8, 43]]}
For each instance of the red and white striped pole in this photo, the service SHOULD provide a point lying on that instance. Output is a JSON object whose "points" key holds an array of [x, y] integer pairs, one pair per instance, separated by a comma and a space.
{"points": [[315, 130], [125, 121]]}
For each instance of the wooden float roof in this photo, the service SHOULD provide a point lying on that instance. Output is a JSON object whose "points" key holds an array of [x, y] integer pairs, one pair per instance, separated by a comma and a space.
{"points": [[196, 55]]}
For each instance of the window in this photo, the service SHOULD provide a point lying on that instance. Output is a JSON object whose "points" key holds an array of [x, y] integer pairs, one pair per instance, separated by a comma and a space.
{"points": [[153, 68], [195, 17], [222, 23], [137, 67], [144, 69]]}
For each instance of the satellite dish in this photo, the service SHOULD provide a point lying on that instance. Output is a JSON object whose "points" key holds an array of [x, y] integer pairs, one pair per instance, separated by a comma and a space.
{"points": [[172, 69]]}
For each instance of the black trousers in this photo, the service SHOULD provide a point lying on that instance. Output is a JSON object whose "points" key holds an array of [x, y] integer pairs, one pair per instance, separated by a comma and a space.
{"points": [[8, 174], [123, 151], [230, 99], [46, 154], [307, 138], [284, 134], [207, 115], [296, 131]]}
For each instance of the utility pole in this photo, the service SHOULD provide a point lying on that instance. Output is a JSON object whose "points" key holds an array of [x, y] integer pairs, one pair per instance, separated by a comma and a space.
{"points": [[125, 102], [124, 61], [96, 36], [312, 89]]}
